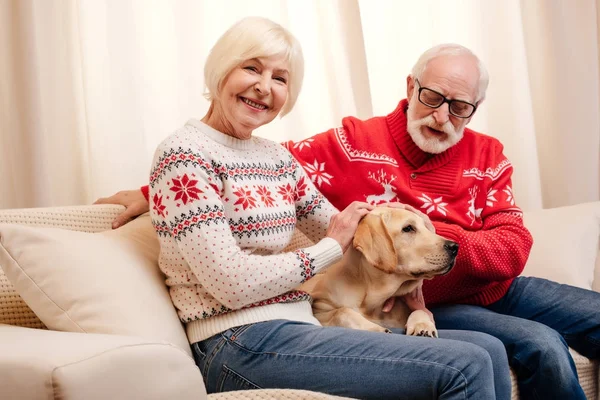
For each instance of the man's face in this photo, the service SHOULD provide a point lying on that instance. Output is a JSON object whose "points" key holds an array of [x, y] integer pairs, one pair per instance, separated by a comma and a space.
{"points": [[434, 130]]}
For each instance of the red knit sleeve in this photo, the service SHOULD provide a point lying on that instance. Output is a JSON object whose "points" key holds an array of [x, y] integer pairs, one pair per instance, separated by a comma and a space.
{"points": [[498, 251], [145, 192], [320, 156]]}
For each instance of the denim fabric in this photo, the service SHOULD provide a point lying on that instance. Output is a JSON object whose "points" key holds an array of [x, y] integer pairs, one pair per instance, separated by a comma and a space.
{"points": [[537, 320], [354, 363]]}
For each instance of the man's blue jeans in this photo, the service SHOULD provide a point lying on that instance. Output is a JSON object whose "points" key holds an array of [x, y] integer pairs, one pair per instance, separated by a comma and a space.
{"points": [[537, 320], [354, 363]]}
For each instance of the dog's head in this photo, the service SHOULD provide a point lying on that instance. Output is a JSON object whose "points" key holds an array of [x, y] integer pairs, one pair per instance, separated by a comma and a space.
{"points": [[397, 241]]}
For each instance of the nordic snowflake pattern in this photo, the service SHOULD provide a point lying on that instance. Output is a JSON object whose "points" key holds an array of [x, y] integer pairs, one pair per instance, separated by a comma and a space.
{"points": [[245, 198], [158, 206], [265, 195], [509, 195], [490, 200], [304, 143], [431, 205], [316, 172], [185, 189]]}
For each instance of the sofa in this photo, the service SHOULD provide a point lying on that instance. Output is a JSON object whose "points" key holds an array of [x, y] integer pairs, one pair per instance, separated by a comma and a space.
{"points": [[85, 313]]}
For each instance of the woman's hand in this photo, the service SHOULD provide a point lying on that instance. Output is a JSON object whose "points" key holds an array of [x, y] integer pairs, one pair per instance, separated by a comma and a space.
{"points": [[343, 224], [133, 200], [408, 207]]}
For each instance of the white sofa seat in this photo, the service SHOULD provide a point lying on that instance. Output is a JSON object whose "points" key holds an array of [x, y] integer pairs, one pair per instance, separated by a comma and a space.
{"points": [[93, 366]]}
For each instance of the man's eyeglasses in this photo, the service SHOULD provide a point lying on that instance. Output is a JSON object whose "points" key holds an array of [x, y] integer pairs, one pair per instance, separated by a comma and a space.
{"points": [[433, 99]]}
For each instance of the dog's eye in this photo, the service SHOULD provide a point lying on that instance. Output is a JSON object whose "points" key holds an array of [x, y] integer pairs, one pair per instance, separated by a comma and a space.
{"points": [[408, 228]]}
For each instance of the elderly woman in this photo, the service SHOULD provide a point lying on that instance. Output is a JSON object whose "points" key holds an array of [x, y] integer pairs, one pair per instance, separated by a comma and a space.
{"points": [[225, 204]]}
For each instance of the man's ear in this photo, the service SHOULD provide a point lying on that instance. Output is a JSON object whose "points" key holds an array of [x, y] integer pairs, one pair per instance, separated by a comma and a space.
{"points": [[373, 240], [410, 86], [477, 105]]}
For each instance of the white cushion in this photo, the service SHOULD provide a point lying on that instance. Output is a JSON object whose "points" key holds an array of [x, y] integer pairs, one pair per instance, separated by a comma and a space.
{"points": [[42, 364], [566, 241], [106, 282]]}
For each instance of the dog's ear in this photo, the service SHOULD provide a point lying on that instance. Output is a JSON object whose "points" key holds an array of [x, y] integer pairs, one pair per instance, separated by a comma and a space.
{"points": [[373, 240]]}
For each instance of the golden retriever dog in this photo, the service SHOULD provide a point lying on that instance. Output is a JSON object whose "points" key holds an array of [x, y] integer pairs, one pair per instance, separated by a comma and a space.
{"points": [[392, 252]]}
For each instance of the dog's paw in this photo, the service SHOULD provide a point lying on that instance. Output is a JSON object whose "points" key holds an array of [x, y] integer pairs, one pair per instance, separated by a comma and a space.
{"points": [[427, 332], [422, 329], [378, 328], [419, 324], [372, 327]]}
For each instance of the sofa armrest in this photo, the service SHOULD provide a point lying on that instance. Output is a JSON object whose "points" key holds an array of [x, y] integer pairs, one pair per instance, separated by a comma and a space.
{"points": [[565, 244], [84, 218], [40, 364]]}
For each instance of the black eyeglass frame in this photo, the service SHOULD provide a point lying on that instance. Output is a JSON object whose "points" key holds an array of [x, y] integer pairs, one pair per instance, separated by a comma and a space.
{"points": [[445, 100]]}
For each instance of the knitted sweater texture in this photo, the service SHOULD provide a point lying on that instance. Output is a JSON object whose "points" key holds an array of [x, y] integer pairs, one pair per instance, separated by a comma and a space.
{"points": [[466, 191], [224, 209]]}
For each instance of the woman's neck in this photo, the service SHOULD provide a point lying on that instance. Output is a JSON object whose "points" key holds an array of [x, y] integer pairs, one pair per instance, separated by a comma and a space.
{"points": [[215, 118]]}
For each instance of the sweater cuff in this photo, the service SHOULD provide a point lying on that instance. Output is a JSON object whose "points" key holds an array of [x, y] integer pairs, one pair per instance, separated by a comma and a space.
{"points": [[145, 190], [326, 252], [447, 231]]}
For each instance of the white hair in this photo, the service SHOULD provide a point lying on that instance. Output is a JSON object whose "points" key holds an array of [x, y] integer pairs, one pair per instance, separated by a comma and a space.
{"points": [[254, 37], [451, 49]]}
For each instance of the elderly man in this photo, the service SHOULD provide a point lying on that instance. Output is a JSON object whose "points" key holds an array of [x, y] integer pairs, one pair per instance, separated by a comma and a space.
{"points": [[422, 154]]}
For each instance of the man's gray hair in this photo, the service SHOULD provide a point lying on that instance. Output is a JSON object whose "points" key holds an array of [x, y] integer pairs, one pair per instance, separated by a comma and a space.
{"points": [[452, 49]]}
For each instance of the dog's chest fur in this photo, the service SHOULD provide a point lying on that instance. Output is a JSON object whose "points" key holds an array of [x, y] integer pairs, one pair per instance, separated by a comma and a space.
{"points": [[362, 289]]}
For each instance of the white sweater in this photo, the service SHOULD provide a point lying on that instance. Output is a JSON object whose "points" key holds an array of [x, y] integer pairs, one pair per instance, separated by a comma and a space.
{"points": [[224, 209]]}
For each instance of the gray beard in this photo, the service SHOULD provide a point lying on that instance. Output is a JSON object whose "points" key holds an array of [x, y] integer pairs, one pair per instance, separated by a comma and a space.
{"points": [[430, 145]]}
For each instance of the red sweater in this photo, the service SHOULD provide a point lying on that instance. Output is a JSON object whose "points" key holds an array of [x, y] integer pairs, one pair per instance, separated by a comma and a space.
{"points": [[466, 191]]}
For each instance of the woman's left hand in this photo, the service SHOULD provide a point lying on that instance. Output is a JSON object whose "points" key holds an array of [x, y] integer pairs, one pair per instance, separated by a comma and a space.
{"points": [[343, 225]]}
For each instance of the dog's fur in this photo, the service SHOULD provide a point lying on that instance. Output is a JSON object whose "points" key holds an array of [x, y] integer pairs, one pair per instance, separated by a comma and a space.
{"points": [[392, 252]]}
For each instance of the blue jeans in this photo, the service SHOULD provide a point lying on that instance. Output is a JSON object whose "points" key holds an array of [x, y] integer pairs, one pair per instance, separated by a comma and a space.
{"points": [[537, 320], [354, 363]]}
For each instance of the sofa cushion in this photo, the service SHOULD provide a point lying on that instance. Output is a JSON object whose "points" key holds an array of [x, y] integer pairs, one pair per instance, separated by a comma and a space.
{"points": [[566, 241], [41, 364], [106, 282]]}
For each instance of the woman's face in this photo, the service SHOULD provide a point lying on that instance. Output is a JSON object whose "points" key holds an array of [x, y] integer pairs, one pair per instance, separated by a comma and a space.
{"points": [[252, 95]]}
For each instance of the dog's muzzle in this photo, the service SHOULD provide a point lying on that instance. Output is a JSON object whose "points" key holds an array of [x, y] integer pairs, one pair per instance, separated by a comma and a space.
{"points": [[452, 249]]}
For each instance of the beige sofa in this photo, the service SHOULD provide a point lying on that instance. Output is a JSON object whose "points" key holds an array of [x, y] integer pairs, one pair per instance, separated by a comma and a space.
{"points": [[84, 312]]}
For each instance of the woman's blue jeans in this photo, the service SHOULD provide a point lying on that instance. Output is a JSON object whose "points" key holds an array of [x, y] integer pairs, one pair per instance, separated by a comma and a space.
{"points": [[354, 363], [537, 320]]}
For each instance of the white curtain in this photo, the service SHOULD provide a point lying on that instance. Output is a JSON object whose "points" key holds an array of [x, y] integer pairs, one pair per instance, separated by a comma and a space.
{"points": [[88, 88]]}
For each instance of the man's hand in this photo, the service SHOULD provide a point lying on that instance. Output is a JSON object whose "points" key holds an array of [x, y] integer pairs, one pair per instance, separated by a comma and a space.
{"points": [[414, 300], [389, 304], [133, 200]]}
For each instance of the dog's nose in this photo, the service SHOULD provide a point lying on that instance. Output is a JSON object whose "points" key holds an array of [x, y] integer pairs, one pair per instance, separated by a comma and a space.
{"points": [[451, 247]]}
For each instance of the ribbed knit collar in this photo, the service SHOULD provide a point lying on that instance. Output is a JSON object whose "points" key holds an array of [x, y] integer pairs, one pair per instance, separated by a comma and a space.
{"points": [[419, 159], [222, 138]]}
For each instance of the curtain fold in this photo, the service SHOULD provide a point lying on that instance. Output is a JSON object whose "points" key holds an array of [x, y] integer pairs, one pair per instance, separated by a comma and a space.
{"points": [[43, 129], [561, 40], [89, 88]]}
